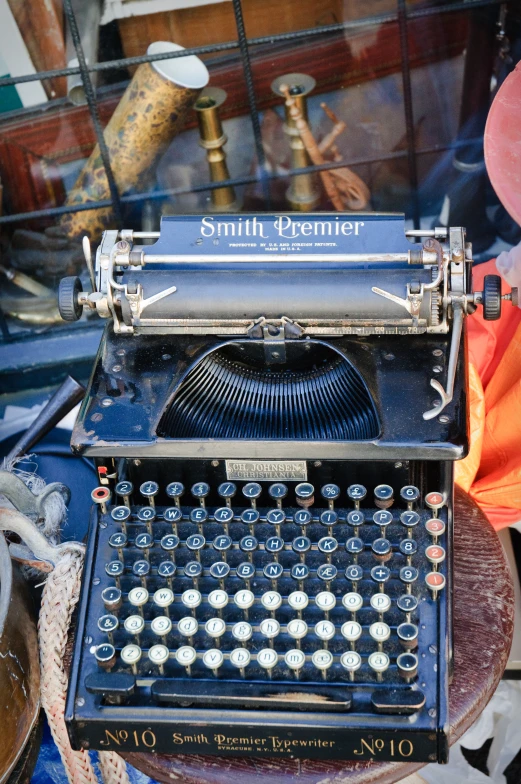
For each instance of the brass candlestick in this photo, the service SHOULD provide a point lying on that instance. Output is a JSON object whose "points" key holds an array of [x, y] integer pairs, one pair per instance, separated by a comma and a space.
{"points": [[303, 194], [213, 140]]}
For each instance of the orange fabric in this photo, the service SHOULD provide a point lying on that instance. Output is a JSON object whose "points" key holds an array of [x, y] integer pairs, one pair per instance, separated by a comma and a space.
{"points": [[492, 470]]}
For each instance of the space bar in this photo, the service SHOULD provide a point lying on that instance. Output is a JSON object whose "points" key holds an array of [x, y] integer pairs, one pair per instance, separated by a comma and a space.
{"points": [[250, 696]]}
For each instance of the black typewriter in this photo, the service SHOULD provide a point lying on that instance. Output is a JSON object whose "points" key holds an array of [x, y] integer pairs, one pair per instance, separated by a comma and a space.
{"points": [[274, 413]]}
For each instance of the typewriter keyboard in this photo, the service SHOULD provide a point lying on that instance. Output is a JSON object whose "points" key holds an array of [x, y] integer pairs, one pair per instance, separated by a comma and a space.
{"points": [[324, 587]]}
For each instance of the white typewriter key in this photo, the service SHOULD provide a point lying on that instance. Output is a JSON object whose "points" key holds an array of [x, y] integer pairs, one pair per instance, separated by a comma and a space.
{"points": [[297, 629], [325, 600], [158, 655], [242, 631], [215, 627], [244, 599], [380, 602], [218, 599], [352, 631], [267, 659], [161, 625], [187, 626], [131, 654], [298, 600], [271, 600], [380, 632], [322, 660], [240, 658], [351, 661], [138, 597], [191, 598], [379, 662], [325, 630], [213, 659], [186, 656], [134, 624], [269, 628], [163, 598], [295, 660], [352, 601]]}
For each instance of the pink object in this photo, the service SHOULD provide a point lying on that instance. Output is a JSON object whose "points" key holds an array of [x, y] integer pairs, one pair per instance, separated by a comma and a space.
{"points": [[503, 144]]}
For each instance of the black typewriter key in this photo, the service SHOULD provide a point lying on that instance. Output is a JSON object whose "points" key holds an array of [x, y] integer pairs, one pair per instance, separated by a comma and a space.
{"points": [[111, 598], [302, 517], [124, 490], [304, 493], [227, 490], [274, 544], [223, 515], [194, 570], [199, 516], [173, 515], [219, 571], [383, 518], [175, 490], [196, 542], [246, 571], [248, 544], [356, 493], [149, 490], [119, 541], [250, 517], [131, 655], [407, 666], [408, 635], [410, 520], [146, 515], [407, 603], [410, 494], [252, 491], [327, 572], [144, 541], [141, 569], [121, 515], [301, 545], [355, 518], [354, 545], [408, 547], [115, 569], [383, 496], [166, 570], [222, 544], [354, 572], [105, 655], [272, 571], [201, 490], [409, 574], [327, 545], [434, 501], [435, 527], [101, 496], [108, 624], [330, 493], [278, 492], [300, 572], [382, 549], [276, 517], [330, 518], [380, 574], [169, 542]]}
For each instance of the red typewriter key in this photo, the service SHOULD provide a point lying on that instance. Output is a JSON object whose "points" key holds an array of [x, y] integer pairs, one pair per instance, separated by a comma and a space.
{"points": [[436, 582], [435, 554], [435, 527], [435, 500], [101, 496]]}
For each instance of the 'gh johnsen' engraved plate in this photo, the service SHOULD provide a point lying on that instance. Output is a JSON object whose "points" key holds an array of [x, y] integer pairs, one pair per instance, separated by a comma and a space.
{"points": [[259, 470]]}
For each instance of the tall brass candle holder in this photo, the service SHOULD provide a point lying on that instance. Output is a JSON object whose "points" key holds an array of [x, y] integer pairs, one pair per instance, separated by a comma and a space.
{"points": [[213, 139], [303, 194]]}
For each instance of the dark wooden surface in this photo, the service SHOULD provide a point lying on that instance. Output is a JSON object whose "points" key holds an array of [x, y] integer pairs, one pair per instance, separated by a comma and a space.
{"points": [[483, 627]]}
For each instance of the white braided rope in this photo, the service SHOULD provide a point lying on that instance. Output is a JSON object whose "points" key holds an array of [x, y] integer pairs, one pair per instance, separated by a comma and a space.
{"points": [[60, 596]]}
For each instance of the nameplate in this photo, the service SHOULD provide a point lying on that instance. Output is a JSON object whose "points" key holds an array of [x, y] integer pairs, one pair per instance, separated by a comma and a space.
{"points": [[262, 470]]}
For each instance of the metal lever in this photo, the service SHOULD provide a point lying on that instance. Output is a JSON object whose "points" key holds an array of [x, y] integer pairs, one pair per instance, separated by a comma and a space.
{"points": [[446, 395], [160, 294], [412, 304]]}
